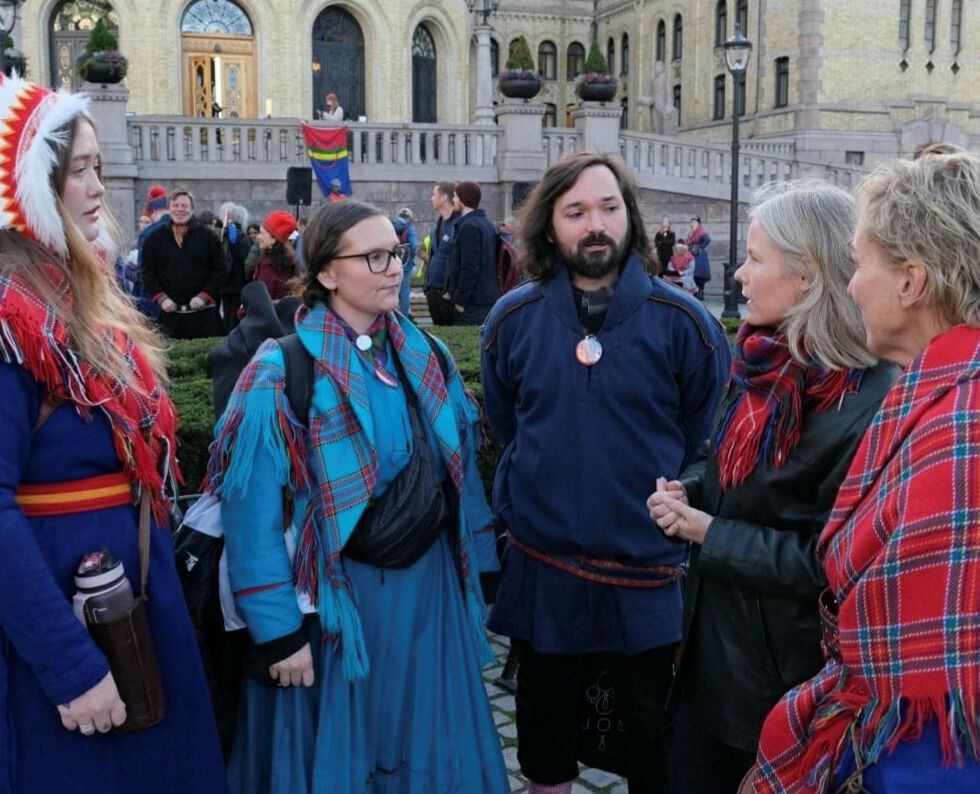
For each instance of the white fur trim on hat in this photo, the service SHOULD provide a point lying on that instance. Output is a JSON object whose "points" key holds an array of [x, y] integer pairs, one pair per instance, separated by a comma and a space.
{"points": [[41, 115]]}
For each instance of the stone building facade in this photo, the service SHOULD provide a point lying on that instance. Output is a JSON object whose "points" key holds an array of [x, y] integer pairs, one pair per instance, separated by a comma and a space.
{"points": [[839, 80], [833, 80]]}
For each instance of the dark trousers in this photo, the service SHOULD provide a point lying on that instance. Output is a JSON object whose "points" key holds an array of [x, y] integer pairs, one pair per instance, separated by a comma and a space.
{"points": [[440, 309], [549, 722], [700, 763], [230, 302]]}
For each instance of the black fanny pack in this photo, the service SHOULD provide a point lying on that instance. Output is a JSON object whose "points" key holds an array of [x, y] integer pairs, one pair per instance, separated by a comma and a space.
{"points": [[401, 525]]}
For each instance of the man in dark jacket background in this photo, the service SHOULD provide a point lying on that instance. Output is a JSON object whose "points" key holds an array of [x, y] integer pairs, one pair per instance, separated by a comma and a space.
{"points": [[183, 271], [440, 243], [472, 285]]}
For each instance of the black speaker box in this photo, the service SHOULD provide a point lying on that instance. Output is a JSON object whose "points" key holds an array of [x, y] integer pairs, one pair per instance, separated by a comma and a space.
{"points": [[299, 186]]}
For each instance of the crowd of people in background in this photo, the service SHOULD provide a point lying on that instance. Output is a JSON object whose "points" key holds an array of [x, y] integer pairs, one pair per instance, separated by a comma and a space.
{"points": [[191, 282]]}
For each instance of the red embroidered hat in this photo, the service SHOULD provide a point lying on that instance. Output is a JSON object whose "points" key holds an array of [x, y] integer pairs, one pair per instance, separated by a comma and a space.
{"points": [[280, 224], [34, 123]]}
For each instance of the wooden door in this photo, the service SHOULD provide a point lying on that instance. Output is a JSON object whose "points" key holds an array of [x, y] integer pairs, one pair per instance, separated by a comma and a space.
{"points": [[219, 73]]}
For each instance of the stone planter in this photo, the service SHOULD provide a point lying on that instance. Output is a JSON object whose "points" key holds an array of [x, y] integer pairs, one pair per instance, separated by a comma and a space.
{"points": [[519, 88], [102, 72], [596, 92]]}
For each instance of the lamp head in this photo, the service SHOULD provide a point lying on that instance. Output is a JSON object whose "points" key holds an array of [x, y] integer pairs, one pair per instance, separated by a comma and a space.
{"points": [[737, 51]]}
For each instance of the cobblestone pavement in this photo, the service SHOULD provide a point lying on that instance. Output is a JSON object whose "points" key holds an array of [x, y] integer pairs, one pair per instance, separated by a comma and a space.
{"points": [[504, 715]]}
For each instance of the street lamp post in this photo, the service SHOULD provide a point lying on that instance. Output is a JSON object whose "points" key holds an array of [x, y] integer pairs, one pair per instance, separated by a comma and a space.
{"points": [[483, 113], [737, 51], [8, 18]]}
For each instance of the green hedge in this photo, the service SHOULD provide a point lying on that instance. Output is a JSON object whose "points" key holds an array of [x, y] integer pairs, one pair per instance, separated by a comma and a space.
{"points": [[190, 388]]}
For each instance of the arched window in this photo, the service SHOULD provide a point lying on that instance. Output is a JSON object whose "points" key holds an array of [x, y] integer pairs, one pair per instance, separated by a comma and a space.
{"points": [[575, 60], [624, 55], [721, 22], [424, 91], [548, 61], [742, 16], [217, 51], [494, 57], [338, 55], [215, 16], [70, 25], [955, 22], [611, 55], [661, 40], [930, 29], [904, 15], [678, 37]]}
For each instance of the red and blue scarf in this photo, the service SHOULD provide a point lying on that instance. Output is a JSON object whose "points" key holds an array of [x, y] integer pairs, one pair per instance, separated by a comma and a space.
{"points": [[762, 424], [902, 555]]}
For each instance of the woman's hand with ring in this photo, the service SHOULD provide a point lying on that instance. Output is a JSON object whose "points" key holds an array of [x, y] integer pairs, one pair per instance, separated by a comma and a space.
{"points": [[100, 707]]}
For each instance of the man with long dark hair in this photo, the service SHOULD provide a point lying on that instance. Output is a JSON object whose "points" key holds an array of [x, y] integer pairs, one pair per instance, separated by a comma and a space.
{"points": [[596, 377]]}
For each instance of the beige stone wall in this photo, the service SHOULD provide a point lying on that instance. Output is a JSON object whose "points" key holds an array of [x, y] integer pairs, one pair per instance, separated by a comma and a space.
{"points": [[846, 64]]}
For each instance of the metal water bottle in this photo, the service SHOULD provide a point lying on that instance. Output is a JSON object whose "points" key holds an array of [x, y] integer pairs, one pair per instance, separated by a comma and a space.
{"points": [[103, 593]]}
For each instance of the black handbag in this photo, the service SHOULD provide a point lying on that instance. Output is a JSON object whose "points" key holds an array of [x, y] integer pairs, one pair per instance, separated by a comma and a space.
{"points": [[401, 525]]}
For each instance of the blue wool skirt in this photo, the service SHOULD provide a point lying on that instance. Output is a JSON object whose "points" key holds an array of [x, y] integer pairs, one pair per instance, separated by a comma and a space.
{"points": [[419, 723]]}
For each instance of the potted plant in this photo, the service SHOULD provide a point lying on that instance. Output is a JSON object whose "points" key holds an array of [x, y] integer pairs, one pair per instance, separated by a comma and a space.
{"points": [[13, 59], [596, 84], [101, 62], [518, 79]]}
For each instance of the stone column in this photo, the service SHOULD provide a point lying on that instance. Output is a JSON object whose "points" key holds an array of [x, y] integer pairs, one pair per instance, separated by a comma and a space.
{"points": [[599, 125], [483, 113], [119, 172], [520, 157]]}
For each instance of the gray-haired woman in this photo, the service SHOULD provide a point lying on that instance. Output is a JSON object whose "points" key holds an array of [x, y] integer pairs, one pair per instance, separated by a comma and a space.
{"points": [[804, 387]]}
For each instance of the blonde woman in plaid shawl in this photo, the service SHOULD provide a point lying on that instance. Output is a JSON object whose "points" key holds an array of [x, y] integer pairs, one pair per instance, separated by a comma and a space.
{"points": [[87, 429], [896, 706], [365, 676], [804, 387]]}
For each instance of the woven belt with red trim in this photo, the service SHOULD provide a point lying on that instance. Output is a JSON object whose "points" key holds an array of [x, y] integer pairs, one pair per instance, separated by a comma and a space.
{"points": [[74, 496], [604, 570]]}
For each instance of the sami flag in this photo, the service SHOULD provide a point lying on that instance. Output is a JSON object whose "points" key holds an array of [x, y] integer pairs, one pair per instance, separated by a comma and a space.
{"points": [[327, 149]]}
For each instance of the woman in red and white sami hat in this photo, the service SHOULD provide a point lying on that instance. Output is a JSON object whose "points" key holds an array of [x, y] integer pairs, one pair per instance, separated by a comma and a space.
{"points": [[88, 430]]}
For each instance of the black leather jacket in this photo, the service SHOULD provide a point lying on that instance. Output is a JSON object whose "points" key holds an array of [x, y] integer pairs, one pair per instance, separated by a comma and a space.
{"points": [[751, 630]]}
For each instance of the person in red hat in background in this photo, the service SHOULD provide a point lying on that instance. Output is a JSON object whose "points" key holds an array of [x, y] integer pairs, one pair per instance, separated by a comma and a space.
{"points": [[277, 259], [88, 434]]}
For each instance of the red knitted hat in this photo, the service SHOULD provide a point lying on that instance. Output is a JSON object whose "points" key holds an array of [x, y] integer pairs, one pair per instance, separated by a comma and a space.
{"points": [[35, 125], [280, 224], [156, 198]]}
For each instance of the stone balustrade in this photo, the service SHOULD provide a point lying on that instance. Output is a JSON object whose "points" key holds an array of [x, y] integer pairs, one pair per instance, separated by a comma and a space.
{"points": [[672, 164], [177, 147]]}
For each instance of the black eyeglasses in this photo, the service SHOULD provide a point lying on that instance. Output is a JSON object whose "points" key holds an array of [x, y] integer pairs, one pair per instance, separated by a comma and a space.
{"points": [[379, 261]]}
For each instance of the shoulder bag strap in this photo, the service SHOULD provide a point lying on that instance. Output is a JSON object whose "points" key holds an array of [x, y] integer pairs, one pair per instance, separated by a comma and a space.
{"points": [[144, 538]]}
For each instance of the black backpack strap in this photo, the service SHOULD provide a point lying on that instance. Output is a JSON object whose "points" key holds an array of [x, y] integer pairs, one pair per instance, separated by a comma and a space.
{"points": [[298, 367]]}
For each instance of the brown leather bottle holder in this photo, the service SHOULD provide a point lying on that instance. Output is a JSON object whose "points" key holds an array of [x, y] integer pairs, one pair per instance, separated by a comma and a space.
{"points": [[127, 644]]}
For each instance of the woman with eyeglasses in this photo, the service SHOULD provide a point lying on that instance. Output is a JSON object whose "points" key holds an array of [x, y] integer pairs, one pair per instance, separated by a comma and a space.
{"points": [[366, 612]]}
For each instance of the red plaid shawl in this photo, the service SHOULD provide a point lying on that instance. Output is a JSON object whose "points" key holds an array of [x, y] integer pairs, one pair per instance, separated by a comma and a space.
{"points": [[902, 555], [143, 424]]}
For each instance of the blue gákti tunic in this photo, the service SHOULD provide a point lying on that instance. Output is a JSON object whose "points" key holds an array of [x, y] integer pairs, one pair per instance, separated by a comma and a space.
{"points": [[47, 656]]}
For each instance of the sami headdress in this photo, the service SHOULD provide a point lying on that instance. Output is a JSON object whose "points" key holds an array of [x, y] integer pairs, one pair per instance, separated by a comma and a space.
{"points": [[34, 121]]}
